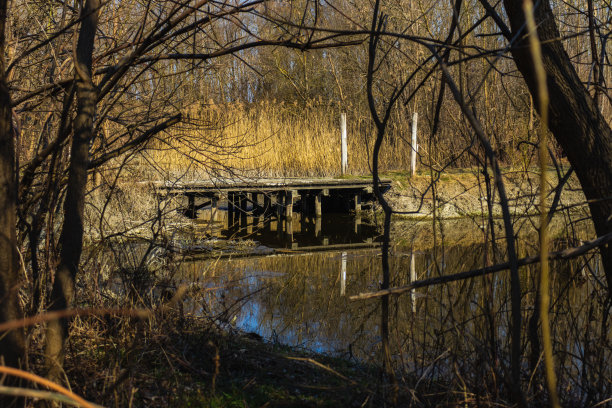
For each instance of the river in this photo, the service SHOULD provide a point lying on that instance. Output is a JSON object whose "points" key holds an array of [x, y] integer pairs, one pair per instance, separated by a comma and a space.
{"points": [[291, 286]]}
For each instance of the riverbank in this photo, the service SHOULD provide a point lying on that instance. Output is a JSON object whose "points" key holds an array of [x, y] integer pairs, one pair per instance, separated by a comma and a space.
{"points": [[464, 194], [185, 361]]}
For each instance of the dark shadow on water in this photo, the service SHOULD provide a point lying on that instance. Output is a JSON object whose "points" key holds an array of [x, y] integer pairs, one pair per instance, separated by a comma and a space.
{"points": [[299, 232]]}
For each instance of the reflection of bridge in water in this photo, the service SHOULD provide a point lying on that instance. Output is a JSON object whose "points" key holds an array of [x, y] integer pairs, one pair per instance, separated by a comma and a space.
{"points": [[300, 232]]}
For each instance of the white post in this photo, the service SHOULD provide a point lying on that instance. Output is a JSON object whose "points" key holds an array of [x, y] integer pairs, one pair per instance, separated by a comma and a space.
{"points": [[413, 277], [343, 275], [415, 146], [344, 164]]}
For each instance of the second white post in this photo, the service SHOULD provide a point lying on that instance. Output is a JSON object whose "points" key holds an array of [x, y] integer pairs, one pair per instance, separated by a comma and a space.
{"points": [[344, 162], [415, 146]]}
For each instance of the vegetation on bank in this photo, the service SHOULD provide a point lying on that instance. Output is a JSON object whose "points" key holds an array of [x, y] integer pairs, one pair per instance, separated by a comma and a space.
{"points": [[187, 362]]}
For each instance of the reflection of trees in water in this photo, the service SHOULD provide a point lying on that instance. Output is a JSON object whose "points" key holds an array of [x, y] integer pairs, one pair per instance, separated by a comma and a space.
{"points": [[458, 330], [302, 302]]}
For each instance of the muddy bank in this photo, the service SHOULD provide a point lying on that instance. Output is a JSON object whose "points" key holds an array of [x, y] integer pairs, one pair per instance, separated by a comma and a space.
{"points": [[464, 194], [455, 210]]}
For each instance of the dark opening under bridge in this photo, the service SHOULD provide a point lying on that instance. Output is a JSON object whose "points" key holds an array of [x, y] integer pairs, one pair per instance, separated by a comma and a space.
{"points": [[282, 197]]}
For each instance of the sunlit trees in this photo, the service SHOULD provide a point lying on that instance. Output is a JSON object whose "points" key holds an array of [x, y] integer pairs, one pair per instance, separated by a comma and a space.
{"points": [[89, 84], [576, 120]]}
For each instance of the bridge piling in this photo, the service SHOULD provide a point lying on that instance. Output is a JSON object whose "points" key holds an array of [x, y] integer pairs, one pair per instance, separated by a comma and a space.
{"points": [[357, 202], [279, 196], [317, 204]]}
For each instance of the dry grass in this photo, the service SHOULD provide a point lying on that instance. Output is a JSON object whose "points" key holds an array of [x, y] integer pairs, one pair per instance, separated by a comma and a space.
{"points": [[279, 139], [273, 139]]}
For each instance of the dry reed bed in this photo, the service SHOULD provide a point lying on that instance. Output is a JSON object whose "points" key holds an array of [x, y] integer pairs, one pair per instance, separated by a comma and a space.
{"points": [[276, 138], [273, 139]]}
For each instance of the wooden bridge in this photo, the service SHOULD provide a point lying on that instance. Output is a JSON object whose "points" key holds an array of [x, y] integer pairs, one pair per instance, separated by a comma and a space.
{"points": [[311, 197]]}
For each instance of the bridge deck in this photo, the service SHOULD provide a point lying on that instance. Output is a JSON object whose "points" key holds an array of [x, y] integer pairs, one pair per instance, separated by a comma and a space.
{"points": [[279, 195], [267, 185]]}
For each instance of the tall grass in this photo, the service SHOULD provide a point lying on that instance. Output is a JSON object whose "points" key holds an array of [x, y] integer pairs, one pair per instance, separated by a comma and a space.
{"points": [[272, 138]]}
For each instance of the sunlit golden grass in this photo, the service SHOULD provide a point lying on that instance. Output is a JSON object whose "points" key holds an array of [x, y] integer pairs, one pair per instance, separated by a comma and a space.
{"points": [[274, 139]]}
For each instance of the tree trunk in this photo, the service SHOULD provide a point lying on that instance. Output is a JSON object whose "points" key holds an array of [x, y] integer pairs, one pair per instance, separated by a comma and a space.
{"points": [[71, 238], [12, 343], [575, 120]]}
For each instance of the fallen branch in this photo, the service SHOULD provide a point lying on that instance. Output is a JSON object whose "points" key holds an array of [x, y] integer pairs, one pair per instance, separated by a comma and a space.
{"points": [[323, 366], [37, 394], [60, 314], [44, 382], [565, 254]]}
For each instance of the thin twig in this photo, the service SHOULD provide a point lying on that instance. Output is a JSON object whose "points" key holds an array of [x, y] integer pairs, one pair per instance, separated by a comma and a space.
{"points": [[323, 366]]}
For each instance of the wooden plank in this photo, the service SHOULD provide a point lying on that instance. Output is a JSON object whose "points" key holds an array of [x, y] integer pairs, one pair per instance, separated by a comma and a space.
{"points": [[192, 257], [273, 185]]}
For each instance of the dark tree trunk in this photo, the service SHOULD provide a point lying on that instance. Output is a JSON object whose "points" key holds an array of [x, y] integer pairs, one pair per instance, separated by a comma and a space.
{"points": [[71, 239], [575, 120], [12, 343]]}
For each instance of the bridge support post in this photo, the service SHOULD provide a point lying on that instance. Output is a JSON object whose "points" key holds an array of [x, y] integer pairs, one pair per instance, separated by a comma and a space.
{"points": [[258, 203], [257, 222], [280, 198], [266, 203], [289, 198], [304, 197], [236, 207], [317, 204], [191, 210], [304, 213], [317, 227], [357, 201], [214, 206], [249, 225], [231, 209], [243, 210]]}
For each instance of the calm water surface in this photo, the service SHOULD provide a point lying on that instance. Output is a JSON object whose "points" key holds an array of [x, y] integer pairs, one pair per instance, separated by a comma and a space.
{"points": [[300, 297], [297, 295]]}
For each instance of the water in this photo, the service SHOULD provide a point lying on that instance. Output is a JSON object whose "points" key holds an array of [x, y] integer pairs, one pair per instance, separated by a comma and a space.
{"points": [[301, 232], [299, 296]]}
